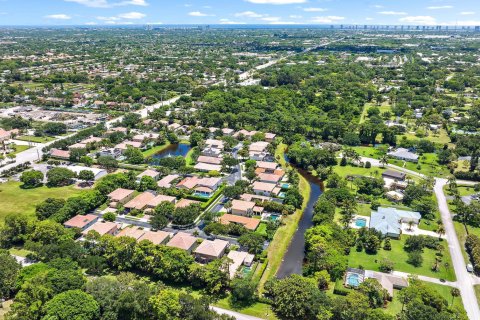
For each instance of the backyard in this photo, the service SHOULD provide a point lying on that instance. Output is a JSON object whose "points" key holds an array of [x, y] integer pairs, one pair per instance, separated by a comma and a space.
{"points": [[399, 256], [17, 200]]}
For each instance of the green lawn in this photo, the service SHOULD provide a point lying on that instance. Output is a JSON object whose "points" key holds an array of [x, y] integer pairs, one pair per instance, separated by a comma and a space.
{"points": [[427, 165], [351, 170], [188, 157], [155, 150], [262, 229], [399, 257], [395, 306], [19, 148], [440, 137], [17, 200], [19, 252], [35, 139], [368, 152], [260, 310]]}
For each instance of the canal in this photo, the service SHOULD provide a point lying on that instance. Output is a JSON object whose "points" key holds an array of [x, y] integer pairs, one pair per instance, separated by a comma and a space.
{"points": [[293, 260]]}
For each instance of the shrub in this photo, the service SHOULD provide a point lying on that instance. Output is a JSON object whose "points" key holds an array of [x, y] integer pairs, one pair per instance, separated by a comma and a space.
{"points": [[386, 266], [415, 258], [368, 165]]}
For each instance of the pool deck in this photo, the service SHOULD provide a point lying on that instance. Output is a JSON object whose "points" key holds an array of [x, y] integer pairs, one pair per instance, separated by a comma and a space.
{"points": [[353, 224]]}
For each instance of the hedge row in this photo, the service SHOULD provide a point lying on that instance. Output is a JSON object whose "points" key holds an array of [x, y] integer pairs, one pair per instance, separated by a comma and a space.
{"points": [[472, 244]]}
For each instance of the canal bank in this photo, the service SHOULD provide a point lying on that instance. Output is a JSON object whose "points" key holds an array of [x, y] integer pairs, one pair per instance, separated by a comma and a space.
{"points": [[292, 262]]}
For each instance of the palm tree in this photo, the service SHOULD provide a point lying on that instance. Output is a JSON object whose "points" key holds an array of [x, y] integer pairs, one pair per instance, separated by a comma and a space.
{"points": [[452, 182], [384, 160], [440, 231], [410, 225], [349, 209], [455, 293]]}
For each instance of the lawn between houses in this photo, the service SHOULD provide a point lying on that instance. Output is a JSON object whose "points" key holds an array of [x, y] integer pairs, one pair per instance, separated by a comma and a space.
{"points": [[399, 257], [16, 200], [283, 236]]}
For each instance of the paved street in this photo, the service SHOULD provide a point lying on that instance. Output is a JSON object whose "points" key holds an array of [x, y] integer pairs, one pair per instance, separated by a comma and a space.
{"points": [[464, 279]]}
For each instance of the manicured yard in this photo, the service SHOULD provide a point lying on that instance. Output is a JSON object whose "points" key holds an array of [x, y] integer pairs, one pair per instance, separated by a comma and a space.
{"points": [[427, 165], [400, 257], [368, 152], [155, 150], [262, 229], [395, 306], [188, 158], [19, 148], [351, 170], [440, 137], [17, 200], [260, 310], [35, 139]]}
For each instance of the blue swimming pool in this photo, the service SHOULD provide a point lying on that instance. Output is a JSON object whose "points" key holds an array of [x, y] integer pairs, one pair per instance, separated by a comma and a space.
{"points": [[353, 279], [285, 185], [274, 217], [281, 195], [359, 222]]}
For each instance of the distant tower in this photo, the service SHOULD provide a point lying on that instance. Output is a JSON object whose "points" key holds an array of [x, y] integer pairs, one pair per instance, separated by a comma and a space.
{"points": [[477, 28]]}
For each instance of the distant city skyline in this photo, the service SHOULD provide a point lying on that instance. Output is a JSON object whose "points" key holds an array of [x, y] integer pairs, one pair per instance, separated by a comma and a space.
{"points": [[273, 12]]}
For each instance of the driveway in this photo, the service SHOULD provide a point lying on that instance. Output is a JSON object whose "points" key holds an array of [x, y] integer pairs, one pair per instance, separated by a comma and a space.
{"points": [[464, 279]]}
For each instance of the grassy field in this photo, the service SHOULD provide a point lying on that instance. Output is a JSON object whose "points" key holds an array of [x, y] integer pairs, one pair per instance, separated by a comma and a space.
{"points": [[35, 139], [262, 229], [477, 292], [279, 245], [19, 148], [427, 165], [188, 158], [17, 200], [440, 137], [260, 310], [351, 170], [155, 150], [399, 257]]}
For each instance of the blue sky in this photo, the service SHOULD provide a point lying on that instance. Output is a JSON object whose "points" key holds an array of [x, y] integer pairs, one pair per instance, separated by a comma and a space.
{"points": [[119, 12]]}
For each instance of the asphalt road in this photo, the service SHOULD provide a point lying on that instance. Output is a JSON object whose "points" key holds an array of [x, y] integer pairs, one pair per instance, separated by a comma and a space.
{"points": [[464, 279]]}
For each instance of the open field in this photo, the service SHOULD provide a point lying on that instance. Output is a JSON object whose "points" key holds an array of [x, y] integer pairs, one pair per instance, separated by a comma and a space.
{"points": [[258, 309], [19, 148], [400, 257], [35, 139], [427, 165], [17, 200]]}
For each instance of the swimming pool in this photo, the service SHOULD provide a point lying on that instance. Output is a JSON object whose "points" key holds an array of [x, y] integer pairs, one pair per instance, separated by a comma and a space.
{"points": [[281, 195], [274, 217], [353, 279], [360, 222], [285, 185]]}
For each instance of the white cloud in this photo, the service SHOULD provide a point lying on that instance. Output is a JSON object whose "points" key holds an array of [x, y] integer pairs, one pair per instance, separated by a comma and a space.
{"points": [[249, 14], [108, 18], [106, 4], [276, 2], [314, 9], [132, 15], [427, 20], [199, 14], [283, 22], [439, 7], [271, 19], [91, 23], [466, 23], [393, 13], [227, 21], [327, 19], [369, 19], [60, 16], [295, 16], [467, 13], [377, 6]]}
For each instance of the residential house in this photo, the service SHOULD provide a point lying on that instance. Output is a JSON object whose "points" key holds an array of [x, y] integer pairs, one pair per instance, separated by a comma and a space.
{"points": [[97, 173], [159, 199], [269, 167], [215, 144], [248, 223], [166, 182], [395, 175], [132, 232], [184, 241], [120, 196], [265, 189], [182, 203], [239, 258], [269, 178], [207, 167], [270, 137], [81, 222], [103, 228], [140, 202], [242, 208], [228, 131], [210, 250], [60, 154], [156, 237], [149, 173], [403, 154], [122, 147], [389, 220], [211, 152]]}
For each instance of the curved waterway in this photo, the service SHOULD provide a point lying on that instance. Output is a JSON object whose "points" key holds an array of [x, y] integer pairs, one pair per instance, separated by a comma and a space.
{"points": [[293, 260]]}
